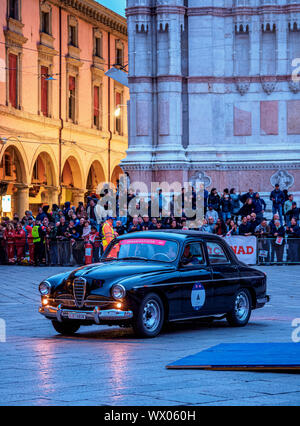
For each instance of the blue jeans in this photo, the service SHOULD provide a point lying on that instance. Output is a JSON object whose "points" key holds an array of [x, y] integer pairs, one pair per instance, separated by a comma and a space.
{"points": [[278, 209], [226, 215]]}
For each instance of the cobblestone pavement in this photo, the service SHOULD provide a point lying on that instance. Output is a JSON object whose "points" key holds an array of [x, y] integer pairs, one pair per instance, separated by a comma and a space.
{"points": [[109, 366]]}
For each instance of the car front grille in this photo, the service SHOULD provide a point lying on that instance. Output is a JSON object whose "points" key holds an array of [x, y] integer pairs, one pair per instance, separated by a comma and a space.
{"points": [[79, 291]]}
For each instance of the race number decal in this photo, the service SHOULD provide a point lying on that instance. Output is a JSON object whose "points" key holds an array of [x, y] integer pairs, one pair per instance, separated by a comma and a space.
{"points": [[198, 296]]}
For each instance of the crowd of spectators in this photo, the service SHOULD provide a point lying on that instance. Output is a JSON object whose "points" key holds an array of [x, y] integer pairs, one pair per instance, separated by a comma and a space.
{"points": [[58, 236]]}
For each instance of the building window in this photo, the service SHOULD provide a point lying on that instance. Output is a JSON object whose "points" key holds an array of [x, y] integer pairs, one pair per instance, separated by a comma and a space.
{"points": [[72, 98], [118, 112], [45, 22], [97, 107], [13, 9], [44, 91], [119, 56], [73, 35], [7, 165], [13, 80], [98, 47]]}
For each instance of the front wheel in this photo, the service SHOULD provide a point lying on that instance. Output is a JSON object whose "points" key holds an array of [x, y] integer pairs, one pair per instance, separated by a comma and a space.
{"points": [[66, 329], [240, 314], [150, 317]]}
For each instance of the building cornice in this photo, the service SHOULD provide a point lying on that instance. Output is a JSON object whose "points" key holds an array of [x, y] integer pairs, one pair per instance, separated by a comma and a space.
{"points": [[95, 13], [222, 12], [209, 79], [213, 166]]}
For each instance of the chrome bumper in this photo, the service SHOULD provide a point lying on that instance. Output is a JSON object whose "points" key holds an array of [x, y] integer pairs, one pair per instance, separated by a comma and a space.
{"points": [[95, 316], [262, 301]]}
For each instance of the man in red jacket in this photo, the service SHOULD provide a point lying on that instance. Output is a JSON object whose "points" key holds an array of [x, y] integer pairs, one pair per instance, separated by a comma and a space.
{"points": [[20, 242]]}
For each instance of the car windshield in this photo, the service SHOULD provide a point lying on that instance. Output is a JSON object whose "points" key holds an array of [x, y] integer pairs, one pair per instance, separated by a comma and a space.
{"points": [[143, 249]]}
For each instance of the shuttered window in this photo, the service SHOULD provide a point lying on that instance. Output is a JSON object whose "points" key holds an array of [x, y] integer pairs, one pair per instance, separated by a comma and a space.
{"points": [[96, 105], [13, 82], [72, 99], [44, 91]]}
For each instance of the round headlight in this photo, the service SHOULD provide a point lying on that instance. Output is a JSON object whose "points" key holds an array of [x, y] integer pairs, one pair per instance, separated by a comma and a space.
{"points": [[45, 288], [118, 292]]}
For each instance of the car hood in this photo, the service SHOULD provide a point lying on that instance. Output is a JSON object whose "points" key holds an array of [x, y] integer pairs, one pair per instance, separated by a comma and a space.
{"points": [[115, 270]]}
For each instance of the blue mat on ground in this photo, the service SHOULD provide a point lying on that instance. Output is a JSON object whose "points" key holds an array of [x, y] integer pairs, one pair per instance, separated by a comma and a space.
{"points": [[244, 356]]}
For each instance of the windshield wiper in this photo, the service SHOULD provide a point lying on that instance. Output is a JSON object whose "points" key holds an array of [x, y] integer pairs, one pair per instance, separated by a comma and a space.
{"points": [[135, 258], [108, 259]]}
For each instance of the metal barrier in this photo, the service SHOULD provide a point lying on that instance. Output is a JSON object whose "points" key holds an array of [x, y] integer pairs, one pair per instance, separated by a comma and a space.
{"points": [[277, 251]]}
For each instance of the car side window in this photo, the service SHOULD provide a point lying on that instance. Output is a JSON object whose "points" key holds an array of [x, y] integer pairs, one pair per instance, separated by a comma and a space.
{"points": [[193, 255], [216, 254]]}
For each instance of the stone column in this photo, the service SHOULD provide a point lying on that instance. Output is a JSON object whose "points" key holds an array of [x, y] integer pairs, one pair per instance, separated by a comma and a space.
{"points": [[140, 114], [78, 195], [53, 196], [22, 200], [170, 23]]}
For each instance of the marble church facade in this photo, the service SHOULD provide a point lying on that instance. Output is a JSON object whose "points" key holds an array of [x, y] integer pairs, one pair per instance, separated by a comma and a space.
{"points": [[212, 92]]}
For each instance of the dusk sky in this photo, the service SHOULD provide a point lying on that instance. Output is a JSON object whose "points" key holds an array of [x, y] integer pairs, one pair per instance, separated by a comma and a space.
{"points": [[116, 5]]}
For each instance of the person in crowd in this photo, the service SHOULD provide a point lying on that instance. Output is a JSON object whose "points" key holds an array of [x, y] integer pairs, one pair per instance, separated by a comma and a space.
{"points": [[294, 212], [250, 194], [220, 228], [287, 207], [9, 238], [20, 242], [41, 215], [259, 207], [262, 232], [212, 213], [253, 222], [278, 199], [232, 229], [135, 225], [214, 200], [245, 227], [247, 208], [95, 240], [278, 241], [226, 206], [37, 241], [235, 204], [2, 245], [293, 234], [108, 232], [63, 242]]}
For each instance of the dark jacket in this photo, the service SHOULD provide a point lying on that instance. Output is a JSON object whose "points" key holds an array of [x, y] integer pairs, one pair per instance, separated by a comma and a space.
{"points": [[244, 229], [277, 197]]}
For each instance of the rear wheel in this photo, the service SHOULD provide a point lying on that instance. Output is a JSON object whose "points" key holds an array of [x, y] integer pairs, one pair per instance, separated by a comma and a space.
{"points": [[150, 317], [66, 329], [240, 314]]}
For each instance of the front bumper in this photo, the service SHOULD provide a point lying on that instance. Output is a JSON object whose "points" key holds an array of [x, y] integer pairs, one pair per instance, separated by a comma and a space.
{"points": [[97, 316], [260, 303]]}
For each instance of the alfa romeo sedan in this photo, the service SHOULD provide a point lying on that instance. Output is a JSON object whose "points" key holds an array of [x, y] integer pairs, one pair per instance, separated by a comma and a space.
{"points": [[147, 279]]}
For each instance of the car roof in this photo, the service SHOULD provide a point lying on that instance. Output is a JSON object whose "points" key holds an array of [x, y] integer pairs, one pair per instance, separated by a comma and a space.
{"points": [[172, 234]]}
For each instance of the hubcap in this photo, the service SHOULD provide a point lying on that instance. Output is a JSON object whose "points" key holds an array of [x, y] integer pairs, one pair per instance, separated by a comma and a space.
{"points": [[242, 306], [151, 315]]}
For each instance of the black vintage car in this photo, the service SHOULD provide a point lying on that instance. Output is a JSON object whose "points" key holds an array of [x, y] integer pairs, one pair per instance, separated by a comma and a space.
{"points": [[146, 279]]}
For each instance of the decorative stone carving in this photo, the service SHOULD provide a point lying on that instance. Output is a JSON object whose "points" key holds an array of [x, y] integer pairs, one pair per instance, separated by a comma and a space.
{"points": [[283, 178], [294, 86], [201, 177], [242, 87], [268, 86]]}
